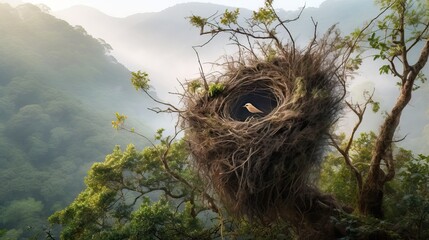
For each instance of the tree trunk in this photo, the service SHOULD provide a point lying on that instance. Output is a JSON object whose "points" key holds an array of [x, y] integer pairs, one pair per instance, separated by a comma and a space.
{"points": [[310, 215], [371, 197]]}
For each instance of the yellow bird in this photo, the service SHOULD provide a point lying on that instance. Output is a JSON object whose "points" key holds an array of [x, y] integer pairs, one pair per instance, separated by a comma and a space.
{"points": [[252, 108]]}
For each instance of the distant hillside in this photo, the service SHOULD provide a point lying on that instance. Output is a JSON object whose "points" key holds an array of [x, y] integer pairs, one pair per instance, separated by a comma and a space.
{"points": [[12, 2], [153, 41], [59, 90], [161, 43]]}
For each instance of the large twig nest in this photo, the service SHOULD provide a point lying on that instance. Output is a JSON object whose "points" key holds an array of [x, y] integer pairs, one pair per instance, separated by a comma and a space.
{"points": [[258, 162]]}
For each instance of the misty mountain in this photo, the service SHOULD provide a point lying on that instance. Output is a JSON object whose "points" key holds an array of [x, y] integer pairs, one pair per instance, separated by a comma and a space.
{"points": [[161, 44], [13, 3], [59, 90], [153, 41], [60, 83]]}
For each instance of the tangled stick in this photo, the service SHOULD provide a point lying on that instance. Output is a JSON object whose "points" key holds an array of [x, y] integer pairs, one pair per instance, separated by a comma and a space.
{"points": [[257, 163]]}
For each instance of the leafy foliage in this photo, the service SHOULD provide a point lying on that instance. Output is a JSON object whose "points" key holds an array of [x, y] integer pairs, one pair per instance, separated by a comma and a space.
{"points": [[197, 21], [406, 197], [150, 194], [336, 177], [140, 80], [56, 99], [264, 15], [117, 200], [359, 227], [229, 17], [194, 86], [400, 29], [47, 139], [119, 121], [215, 89]]}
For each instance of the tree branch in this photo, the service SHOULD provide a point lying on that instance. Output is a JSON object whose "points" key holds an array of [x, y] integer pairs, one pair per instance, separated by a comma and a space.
{"points": [[421, 62], [419, 37], [402, 38], [348, 162]]}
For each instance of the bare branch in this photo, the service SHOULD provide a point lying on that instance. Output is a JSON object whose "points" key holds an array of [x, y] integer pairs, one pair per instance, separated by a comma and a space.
{"points": [[138, 134], [419, 37], [171, 106], [282, 23], [314, 39], [201, 69], [360, 112], [352, 47], [421, 62], [393, 68], [402, 41], [346, 156], [238, 31]]}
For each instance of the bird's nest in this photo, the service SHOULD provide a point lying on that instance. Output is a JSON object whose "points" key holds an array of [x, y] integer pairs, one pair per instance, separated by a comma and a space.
{"points": [[258, 162]]}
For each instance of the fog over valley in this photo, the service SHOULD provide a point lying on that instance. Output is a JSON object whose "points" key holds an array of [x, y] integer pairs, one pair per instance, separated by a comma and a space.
{"points": [[65, 84], [161, 44]]}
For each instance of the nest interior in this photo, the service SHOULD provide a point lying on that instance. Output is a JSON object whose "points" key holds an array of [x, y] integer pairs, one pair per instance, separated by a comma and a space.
{"points": [[261, 98], [257, 163]]}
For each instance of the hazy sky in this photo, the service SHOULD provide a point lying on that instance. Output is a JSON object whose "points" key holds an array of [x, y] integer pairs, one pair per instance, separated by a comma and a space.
{"points": [[122, 8]]}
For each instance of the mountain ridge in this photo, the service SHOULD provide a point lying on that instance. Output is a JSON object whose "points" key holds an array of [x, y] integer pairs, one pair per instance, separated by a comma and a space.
{"points": [[156, 38], [59, 91], [162, 45]]}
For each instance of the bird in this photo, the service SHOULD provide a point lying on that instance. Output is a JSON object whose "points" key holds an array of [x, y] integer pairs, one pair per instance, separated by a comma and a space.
{"points": [[252, 108]]}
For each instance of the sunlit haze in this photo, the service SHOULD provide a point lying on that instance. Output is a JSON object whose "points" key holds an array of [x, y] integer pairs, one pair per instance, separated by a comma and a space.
{"points": [[129, 7], [148, 119]]}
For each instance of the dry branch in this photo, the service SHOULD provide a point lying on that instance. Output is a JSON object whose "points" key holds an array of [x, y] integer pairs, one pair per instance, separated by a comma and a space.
{"points": [[262, 162]]}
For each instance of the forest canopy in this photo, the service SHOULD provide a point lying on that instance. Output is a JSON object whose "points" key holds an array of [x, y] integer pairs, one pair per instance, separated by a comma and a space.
{"points": [[369, 188], [56, 105], [60, 87]]}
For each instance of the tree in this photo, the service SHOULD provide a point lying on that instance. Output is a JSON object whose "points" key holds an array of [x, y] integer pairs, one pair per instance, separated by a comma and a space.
{"points": [[405, 197], [138, 195], [153, 194], [117, 203], [21, 215], [336, 177], [54, 114], [402, 30]]}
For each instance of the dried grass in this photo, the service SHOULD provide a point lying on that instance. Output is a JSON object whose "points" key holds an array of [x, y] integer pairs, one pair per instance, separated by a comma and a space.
{"points": [[261, 163]]}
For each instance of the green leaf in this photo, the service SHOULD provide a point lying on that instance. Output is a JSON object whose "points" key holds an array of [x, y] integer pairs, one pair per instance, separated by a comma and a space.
{"points": [[229, 17], [119, 122], [198, 21], [158, 135], [264, 15], [194, 86], [385, 69], [215, 89], [375, 106], [140, 80]]}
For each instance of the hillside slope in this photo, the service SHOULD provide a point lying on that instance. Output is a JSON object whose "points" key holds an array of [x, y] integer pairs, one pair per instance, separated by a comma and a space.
{"points": [[161, 44], [59, 90]]}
